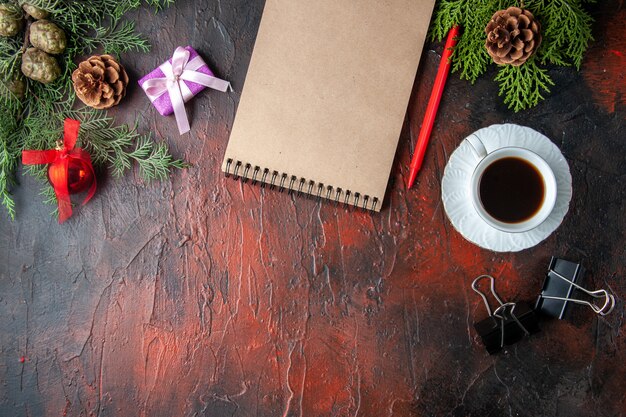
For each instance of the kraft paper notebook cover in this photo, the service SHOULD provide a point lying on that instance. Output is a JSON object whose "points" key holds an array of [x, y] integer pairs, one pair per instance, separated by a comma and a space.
{"points": [[326, 94]]}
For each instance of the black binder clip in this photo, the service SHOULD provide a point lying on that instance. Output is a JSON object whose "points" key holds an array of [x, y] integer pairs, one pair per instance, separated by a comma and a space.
{"points": [[507, 324], [559, 286]]}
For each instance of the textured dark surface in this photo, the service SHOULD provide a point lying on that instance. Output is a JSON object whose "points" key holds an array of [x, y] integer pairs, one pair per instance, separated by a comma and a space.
{"points": [[200, 296]]}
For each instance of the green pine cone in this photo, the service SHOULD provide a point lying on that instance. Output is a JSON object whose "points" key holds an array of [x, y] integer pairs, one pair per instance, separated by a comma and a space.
{"points": [[48, 37], [16, 86], [39, 66], [35, 12], [11, 20]]}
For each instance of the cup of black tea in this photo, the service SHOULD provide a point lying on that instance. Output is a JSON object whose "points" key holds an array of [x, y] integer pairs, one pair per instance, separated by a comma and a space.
{"points": [[512, 188]]}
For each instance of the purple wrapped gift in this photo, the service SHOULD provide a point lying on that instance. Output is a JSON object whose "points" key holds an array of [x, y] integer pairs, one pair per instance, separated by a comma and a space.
{"points": [[177, 81]]}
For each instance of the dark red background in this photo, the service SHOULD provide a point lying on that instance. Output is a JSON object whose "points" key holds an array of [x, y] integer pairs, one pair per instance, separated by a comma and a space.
{"points": [[200, 296]]}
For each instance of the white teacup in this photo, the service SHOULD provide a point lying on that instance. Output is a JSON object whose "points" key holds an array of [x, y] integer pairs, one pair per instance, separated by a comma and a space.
{"points": [[543, 209]]}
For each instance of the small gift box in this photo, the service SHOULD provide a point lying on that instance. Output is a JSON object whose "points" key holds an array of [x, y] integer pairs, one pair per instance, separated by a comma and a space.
{"points": [[177, 81]]}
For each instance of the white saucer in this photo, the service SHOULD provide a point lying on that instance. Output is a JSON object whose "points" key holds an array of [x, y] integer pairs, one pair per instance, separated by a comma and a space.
{"points": [[458, 203]]}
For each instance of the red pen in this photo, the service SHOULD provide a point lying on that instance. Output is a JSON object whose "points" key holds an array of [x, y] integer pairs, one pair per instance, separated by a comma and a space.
{"points": [[433, 106]]}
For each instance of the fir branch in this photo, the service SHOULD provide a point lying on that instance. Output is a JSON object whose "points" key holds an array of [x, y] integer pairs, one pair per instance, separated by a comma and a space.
{"points": [[10, 54], [8, 100], [118, 146], [154, 159], [9, 153], [109, 144], [7, 175], [159, 4], [51, 6], [36, 121], [49, 197], [523, 86], [117, 40], [469, 57], [96, 23], [447, 14], [566, 30], [125, 6], [7, 198], [471, 45]]}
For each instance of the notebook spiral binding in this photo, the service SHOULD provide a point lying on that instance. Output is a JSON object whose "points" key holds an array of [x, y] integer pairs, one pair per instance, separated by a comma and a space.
{"points": [[241, 171]]}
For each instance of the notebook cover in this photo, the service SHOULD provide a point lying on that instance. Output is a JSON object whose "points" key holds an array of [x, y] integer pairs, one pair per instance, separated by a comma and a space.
{"points": [[326, 94]]}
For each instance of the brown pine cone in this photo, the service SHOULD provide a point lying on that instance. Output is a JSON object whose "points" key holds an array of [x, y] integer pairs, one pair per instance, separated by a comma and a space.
{"points": [[513, 35], [100, 82]]}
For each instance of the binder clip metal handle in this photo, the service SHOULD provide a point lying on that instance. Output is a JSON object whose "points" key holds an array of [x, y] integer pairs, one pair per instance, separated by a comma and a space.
{"points": [[561, 281], [507, 324], [501, 313], [606, 308], [492, 288]]}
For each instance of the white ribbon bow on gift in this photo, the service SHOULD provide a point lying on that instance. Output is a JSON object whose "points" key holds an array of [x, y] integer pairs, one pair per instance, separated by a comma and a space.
{"points": [[179, 70]]}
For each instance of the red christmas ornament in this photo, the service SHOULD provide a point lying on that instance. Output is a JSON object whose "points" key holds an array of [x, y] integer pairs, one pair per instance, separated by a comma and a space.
{"points": [[70, 169], [79, 175]]}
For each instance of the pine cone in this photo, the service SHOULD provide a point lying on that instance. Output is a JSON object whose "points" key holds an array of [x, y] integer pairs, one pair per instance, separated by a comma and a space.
{"points": [[39, 66], [100, 82], [48, 37], [513, 35], [35, 12], [15, 86], [11, 20]]}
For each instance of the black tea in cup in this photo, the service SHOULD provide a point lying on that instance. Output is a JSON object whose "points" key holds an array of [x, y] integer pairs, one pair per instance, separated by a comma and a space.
{"points": [[511, 190]]}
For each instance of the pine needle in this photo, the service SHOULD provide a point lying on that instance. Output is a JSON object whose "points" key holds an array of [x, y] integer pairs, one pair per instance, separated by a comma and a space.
{"points": [[154, 159], [523, 87], [119, 39]]}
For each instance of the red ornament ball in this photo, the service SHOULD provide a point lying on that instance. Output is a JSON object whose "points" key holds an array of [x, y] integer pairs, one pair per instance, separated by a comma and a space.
{"points": [[79, 175]]}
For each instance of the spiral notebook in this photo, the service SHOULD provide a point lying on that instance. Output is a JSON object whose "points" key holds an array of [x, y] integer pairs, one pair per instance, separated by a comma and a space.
{"points": [[326, 95]]}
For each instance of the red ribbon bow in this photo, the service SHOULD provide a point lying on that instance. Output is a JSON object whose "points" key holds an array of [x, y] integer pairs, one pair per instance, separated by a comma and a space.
{"points": [[61, 157]]}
